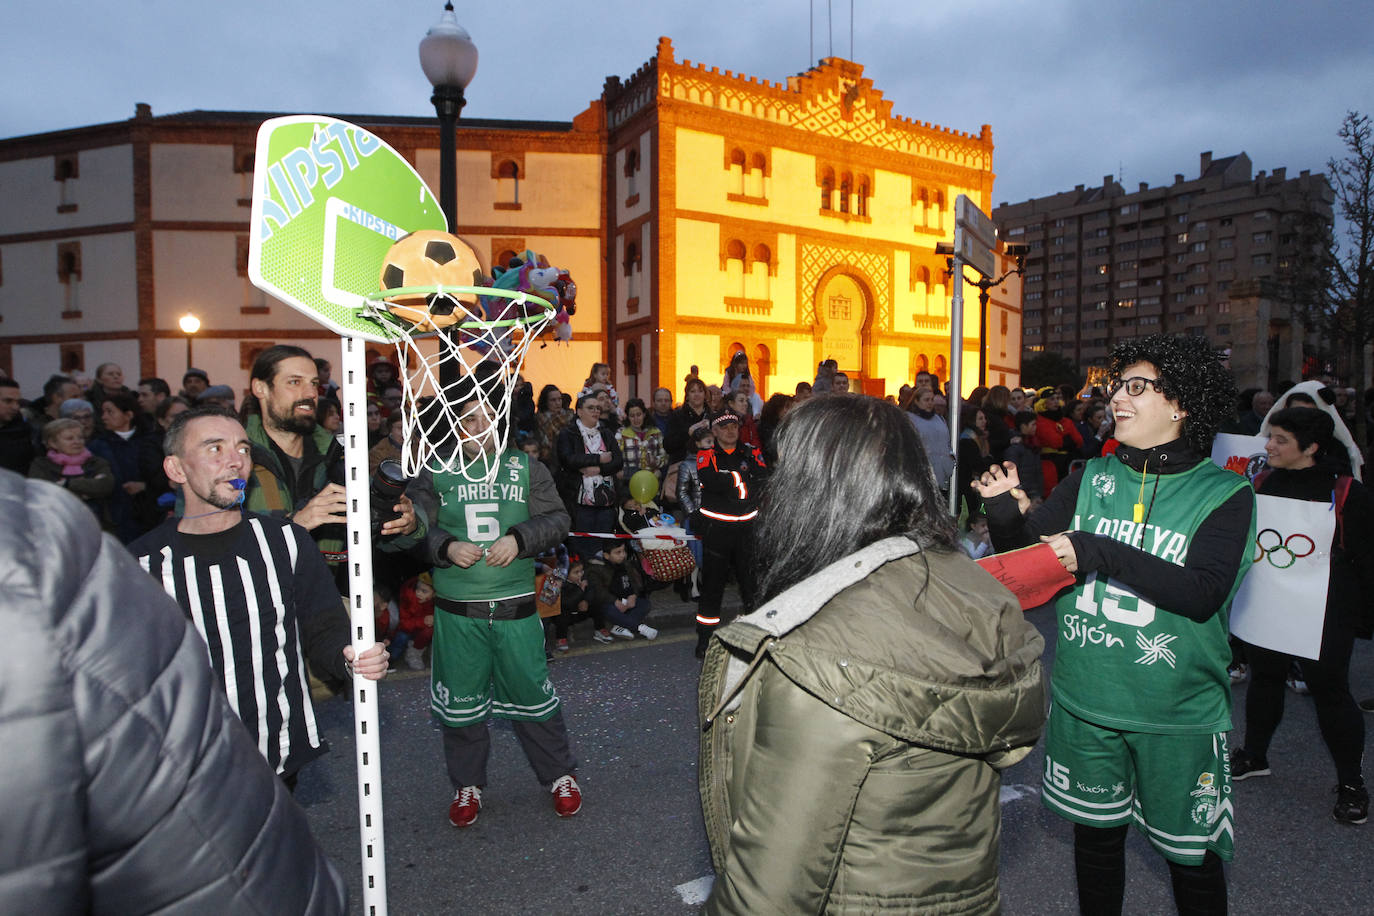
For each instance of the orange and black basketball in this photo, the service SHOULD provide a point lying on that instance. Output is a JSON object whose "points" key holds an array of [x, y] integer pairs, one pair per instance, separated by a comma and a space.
{"points": [[430, 258]]}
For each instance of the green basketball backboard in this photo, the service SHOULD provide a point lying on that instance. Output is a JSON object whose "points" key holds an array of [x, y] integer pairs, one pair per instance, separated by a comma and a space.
{"points": [[329, 200]]}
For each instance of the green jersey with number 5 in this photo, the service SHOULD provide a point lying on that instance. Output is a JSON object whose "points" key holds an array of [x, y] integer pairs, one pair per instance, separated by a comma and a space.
{"points": [[1121, 661], [480, 513]]}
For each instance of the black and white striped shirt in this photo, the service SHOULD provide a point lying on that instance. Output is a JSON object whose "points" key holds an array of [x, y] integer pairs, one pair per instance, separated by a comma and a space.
{"points": [[263, 599]]}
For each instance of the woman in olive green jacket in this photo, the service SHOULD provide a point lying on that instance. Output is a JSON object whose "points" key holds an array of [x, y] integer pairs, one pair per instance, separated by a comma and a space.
{"points": [[856, 723]]}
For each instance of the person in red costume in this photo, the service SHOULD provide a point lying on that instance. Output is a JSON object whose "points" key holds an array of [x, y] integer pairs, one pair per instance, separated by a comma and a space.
{"points": [[1057, 437]]}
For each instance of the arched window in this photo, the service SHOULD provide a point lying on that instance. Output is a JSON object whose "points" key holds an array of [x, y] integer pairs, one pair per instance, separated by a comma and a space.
{"points": [[760, 369], [737, 171], [68, 266], [845, 184], [631, 172], [64, 171], [503, 259], [861, 205], [734, 268], [940, 370], [632, 270], [753, 182], [760, 268], [828, 189], [922, 290], [508, 181]]}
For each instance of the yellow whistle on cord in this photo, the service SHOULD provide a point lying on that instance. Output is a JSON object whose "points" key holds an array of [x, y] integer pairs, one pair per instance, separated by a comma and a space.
{"points": [[1138, 510]]}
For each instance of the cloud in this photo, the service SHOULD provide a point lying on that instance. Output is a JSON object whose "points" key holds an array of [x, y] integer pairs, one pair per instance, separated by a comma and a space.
{"points": [[1073, 89]]}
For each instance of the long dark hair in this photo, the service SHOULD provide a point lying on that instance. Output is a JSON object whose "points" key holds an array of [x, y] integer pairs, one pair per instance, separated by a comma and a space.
{"points": [[851, 470], [542, 405]]}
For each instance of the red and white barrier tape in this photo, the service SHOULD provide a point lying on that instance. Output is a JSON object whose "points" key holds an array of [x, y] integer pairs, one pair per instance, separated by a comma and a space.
{"points": [[634, 537]]}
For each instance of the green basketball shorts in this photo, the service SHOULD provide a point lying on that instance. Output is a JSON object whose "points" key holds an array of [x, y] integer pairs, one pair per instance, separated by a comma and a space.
{"points": [[486, 667], [1175, 788]]}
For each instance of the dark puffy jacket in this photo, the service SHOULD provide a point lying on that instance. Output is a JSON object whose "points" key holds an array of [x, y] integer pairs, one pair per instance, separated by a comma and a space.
{"points": [[856, 725], [130, 786]]}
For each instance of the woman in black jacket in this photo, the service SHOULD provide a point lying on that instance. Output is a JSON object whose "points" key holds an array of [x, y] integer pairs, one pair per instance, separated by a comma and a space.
{"points": [[692, 412], [588, 459]]}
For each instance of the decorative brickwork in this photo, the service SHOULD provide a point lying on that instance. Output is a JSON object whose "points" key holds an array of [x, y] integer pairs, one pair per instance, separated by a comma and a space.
{"points": [[874, 269]]}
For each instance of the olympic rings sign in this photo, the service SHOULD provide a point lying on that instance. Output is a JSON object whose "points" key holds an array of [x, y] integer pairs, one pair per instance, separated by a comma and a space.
{"points": [[1279, 545]]}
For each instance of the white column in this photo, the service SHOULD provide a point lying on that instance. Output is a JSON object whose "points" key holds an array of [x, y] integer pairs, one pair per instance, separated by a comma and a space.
{"points": [[366, 719], [956, 370]]}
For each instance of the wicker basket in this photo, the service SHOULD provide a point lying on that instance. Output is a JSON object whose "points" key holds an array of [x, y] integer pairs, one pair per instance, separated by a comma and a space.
{"points": [[669, 565]]}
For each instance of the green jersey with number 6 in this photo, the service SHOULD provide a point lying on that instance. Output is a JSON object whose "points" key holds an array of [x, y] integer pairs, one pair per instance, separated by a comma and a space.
{"points": [[480, 513], [1120, 661]]}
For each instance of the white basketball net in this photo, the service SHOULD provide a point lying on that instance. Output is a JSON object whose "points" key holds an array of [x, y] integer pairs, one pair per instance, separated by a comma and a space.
{"points": [[461, 427]]}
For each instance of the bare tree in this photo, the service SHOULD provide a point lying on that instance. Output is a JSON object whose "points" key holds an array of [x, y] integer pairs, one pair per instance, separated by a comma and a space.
{"points": [[1352, 259], [1331, 281]]}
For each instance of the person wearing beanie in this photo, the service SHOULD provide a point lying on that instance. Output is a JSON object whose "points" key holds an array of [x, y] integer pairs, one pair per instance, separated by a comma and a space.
{"points": [[194, 383]]}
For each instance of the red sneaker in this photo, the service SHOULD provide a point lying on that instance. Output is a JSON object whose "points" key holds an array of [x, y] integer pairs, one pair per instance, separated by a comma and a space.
{"points": [[567, 797], [467, 801]]}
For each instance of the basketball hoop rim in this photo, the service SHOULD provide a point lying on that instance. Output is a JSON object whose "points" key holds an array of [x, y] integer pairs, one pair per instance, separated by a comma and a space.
{"points": [[376, 304]]}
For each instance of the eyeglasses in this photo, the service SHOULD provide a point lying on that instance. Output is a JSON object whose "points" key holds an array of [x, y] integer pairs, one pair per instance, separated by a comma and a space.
{"points": [[1135, 385]]}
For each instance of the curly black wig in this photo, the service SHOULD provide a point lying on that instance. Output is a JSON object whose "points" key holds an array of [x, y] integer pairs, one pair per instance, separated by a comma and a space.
{"points": [[1193, 376]]}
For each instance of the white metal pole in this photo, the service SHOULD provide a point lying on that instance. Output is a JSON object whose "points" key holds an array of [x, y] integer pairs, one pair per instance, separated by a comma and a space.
{"points": [[366, 720], [956, 372]]}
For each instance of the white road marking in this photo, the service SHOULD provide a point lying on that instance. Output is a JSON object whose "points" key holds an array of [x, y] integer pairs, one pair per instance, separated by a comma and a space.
{"points": [[695, 892]]}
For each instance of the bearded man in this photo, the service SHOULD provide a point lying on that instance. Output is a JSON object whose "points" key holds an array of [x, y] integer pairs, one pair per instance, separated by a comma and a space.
{"points": [[298, 468]]}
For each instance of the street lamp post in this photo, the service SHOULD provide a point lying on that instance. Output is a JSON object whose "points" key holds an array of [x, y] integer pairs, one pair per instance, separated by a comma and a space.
{"points": [[1018, 252], [449, 59], [189, 325]]}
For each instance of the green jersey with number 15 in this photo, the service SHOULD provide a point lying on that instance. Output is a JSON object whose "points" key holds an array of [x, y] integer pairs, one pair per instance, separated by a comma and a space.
{"points": [[1121, 661], [480, 513]]}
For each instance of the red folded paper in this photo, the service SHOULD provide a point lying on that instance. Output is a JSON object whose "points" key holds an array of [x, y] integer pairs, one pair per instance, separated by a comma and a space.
{"points": [[1033, 574]]}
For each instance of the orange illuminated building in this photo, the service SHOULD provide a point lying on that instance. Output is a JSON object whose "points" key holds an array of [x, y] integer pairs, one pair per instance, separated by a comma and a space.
{"points": [[699, 212], [794, 221]]}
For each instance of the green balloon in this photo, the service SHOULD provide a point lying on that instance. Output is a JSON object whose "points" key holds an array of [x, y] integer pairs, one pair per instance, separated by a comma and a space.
{"points": [[644, 485]]}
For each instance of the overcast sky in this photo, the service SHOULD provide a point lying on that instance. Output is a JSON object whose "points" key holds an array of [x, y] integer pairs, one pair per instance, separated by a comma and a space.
{"points": [[1073, 90]]}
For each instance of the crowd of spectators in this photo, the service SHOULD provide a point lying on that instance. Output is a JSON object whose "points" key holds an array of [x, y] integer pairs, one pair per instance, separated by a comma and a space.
{"points": [[102, 441]]}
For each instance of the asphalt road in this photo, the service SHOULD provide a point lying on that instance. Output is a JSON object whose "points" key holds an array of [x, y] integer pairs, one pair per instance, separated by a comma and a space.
{"points": [[638, 844]]}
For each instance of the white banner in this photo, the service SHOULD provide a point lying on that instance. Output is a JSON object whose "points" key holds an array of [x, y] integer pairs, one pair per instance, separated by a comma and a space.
{"points": [[1281, 604], [1243, 454]]}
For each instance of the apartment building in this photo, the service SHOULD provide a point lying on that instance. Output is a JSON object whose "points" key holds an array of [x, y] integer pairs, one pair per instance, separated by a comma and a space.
{"points": [[1199, 256]]}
